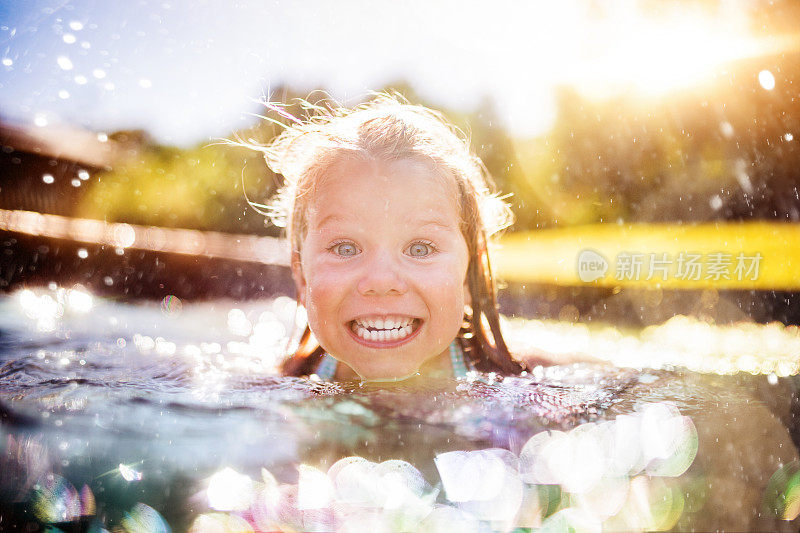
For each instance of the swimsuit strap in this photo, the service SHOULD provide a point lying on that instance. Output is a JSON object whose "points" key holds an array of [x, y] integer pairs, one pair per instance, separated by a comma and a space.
{"points": [[327, 367], [457, 359]]}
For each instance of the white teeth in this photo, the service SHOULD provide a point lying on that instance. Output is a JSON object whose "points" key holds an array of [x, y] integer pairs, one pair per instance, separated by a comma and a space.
{"points": [[360, 328], [389, 323]]}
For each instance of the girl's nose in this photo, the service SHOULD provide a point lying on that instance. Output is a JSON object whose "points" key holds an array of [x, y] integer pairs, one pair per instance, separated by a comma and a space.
{"points": [[382, 276]]}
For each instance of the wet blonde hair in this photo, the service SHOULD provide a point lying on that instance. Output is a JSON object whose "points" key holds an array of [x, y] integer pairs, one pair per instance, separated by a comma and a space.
{"points": [[387, 129]]}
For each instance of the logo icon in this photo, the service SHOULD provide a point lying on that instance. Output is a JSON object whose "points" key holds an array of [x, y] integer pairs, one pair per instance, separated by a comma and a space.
{"points": [[591, 266]]}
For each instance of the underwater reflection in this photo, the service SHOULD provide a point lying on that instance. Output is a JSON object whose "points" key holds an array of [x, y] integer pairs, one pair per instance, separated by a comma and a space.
{"points": [[620, 474]]}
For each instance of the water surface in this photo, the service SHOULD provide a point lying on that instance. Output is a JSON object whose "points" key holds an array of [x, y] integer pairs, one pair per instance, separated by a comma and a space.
{"points": [[169, 416]]}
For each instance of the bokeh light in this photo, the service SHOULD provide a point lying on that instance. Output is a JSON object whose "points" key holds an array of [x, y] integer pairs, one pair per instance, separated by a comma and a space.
{"points": [[171, 305], [55, 500], [621, 474], [228, 490], [782, 496], [144, 519]]}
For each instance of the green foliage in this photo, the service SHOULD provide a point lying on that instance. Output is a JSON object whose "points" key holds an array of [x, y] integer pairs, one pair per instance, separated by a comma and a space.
{"points": [[199, 188]]}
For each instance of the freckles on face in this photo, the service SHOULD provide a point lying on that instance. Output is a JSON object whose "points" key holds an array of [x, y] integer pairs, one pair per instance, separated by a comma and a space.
{"points": [[383, 266]]}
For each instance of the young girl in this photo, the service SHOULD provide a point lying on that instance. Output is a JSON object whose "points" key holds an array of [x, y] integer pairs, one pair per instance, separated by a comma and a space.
{"points": [[388, 215]]}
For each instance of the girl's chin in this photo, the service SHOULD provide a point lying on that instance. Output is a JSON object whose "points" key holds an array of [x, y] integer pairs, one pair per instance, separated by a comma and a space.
{"points": [[383, 368], [389, 379], [373, 369]]}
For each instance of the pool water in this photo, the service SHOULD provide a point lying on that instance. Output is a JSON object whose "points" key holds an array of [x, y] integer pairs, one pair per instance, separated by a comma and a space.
{"points": [[169, 416]]}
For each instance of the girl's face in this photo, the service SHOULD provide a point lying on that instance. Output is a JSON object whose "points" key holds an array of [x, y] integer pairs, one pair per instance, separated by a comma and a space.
{"points": [[383, 265]]}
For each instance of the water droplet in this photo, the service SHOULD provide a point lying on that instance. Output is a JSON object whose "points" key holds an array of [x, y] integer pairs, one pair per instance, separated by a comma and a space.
{"points": [[7, 61], [83, 175], [76, 183], [766, 79], [788, 137], [48, 178], [85, 45], [99, 73], [64, 62], [76, 25], [171, 305], [68, 38], [82, 253], [144, 83], [102, 137], [63, 94], [40, 120], [80, 80]]}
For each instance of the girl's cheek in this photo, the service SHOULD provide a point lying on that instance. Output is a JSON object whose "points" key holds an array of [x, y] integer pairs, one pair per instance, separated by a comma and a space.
{"points": [[324, 281], [452, 273]]}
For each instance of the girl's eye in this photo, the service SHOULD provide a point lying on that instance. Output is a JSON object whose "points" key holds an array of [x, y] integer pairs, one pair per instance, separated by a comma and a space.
{"points": [[420, 249], [345, 249]]}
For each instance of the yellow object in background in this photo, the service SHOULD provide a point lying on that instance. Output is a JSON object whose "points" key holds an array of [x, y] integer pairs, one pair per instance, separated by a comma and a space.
{"points": [[752, 255]]}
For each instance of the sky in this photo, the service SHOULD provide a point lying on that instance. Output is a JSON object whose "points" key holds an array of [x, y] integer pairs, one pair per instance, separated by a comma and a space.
{"points": [[189, 71]]}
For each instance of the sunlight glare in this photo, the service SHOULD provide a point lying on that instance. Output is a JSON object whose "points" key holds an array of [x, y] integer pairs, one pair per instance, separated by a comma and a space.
{"points": [[627, 49], [79, 300]]}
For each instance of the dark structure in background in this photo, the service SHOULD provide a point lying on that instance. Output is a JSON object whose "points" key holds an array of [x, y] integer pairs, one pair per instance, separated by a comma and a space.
{"points": [[46, 169]]}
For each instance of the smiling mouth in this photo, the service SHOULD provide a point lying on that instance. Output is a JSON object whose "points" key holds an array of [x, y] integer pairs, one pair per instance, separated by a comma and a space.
{"points": [[389, 329]]}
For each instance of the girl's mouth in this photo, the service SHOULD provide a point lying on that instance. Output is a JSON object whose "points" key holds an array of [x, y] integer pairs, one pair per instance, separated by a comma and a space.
{"points": [[385, 330]]}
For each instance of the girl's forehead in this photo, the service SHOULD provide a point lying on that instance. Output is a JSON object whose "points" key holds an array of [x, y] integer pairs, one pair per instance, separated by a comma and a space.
{"points": [[414, 184]]}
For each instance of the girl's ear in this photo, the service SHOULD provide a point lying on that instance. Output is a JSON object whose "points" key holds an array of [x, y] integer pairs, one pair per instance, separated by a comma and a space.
{"points": [[299, 278]]}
